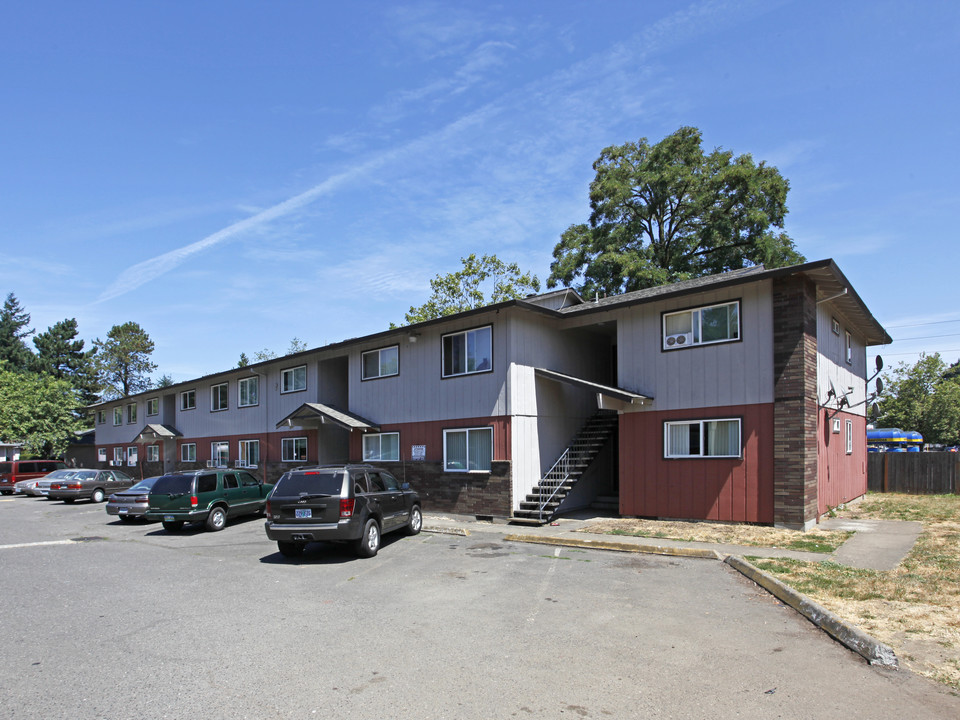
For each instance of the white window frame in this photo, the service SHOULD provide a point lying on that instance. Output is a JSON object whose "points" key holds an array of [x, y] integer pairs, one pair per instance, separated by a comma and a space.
{"points": [[131, 413], [188, 452], [374, 441], [468, 431], [849, 437], [245, 457], [153, 407], [695, 337], [700, 454], [118, 456], [292, 443], [153, 453], [220, 452], [848, 347], [101, 417], [132, 455], [466, 352], [293, 373], [220, 397], [101, 455], [192, 403], [380, 363], [117, 416], [242, 391]]}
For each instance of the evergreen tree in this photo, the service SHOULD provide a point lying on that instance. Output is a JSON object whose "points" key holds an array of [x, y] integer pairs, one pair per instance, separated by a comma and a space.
{"points": [[123, 360], [13, 332]]}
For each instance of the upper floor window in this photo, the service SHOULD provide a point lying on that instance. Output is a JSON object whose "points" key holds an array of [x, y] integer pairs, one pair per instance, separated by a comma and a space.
{"points": [[188, 399], [848, 347], [248, 391], [702, 325], [384, 446], [468, 352], [118, 416], [132, 413], [380, 363], [293, 379], [153, 406], [101, 417], [218, 396], [701, 438]]}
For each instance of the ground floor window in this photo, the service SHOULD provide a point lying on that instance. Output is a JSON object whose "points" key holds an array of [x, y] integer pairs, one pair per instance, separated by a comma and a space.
{"points": [[188, 452], [385, 446], [220, 453], [849, 437], [101, 454], [293, 449], [118, 456], [468, 449], [249, 453], [153, 453], [701, 438]]}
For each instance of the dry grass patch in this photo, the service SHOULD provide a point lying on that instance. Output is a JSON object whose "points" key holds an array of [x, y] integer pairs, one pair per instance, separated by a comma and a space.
{"points": [[914, 608], [822, 541]]}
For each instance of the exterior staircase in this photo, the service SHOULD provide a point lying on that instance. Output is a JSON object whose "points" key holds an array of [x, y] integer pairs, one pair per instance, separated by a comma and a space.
{"points": [[544, 499]]}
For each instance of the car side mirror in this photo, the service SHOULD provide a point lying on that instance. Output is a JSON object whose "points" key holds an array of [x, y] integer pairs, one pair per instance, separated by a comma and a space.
{"points": [[405, 486]]}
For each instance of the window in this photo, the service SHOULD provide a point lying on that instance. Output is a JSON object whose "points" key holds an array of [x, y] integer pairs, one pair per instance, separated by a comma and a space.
{"points": [[293, 449], [249, 453], [132, 455], [248, 480], [101, 454], [153, 453], [101, 417], [118, 456], [248, 391], [385, 446], [469, 450], [218, 397], [132, 413], [380, 363], [848, 348], [468, 352], [293, 379], [188, 399], [701, 326], [220, 453], [153, 406], [117, 416], [230, 481], [701, 438], [849, 437], [835, 326], [188, 452]]}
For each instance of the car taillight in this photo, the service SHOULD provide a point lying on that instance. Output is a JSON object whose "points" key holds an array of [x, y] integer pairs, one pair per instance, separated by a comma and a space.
{"points": [[54, 487], [75, 486], [193, 501], [346, 507], [269, 511], [141, 499]]}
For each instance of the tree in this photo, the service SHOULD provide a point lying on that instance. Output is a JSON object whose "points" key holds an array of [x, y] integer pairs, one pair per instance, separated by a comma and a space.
{"points": [[123, 360], [296, 345], [464, 289], [920, 397], [62, 356], [37, 410], [13, 333], [244, 360], [668, 212], [164, 381]]}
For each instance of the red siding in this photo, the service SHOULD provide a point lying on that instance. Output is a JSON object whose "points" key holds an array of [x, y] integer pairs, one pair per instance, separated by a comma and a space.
{"points": [[430, 434], [738, 489], [840, 477]]}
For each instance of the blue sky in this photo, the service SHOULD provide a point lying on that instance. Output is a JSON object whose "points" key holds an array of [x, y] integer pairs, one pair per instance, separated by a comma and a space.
{"points": [[231, 175]]}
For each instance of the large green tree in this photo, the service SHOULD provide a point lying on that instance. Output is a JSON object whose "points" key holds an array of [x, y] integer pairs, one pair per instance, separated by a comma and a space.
{"points": [[922, 397], [123, 360], [37, 411], [13, 334], [61, 354], [670, 211], [466, 288]]}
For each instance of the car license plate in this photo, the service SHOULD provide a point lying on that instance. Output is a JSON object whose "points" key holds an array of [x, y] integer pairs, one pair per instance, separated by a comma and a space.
{"points": [[168, 518], [303, 513], [123, 511]]}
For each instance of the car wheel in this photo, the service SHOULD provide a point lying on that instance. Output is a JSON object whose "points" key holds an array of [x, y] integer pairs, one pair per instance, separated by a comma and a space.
{"points": [[416, 521], [217, 519], [172, 525], [369, 542], [290, 549], [97, 496], [6, 492], [68, 501]]}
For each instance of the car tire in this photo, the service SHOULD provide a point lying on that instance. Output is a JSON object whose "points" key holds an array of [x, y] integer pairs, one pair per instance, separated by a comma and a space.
{"points": [[6, 492], [173, 525], [68, 501], [369, 542], [290, 549], [415, 523], [217, 519], [97, 496]]}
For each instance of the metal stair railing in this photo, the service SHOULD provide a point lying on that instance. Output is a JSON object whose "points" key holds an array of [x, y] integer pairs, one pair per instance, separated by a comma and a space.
{"points": [[560, 472]]}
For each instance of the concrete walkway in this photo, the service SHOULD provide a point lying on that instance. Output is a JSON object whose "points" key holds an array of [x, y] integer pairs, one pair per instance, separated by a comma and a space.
{"points": [[876, 544]]}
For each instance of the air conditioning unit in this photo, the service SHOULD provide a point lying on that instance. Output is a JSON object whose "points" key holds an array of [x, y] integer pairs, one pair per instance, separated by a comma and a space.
{"points": [[679, 340], [239, 464], [131, 463], [113, 463], [211, 463]]}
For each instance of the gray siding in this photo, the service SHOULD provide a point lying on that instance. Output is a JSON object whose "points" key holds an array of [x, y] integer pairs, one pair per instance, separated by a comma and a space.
{"points": [[832, 365]]}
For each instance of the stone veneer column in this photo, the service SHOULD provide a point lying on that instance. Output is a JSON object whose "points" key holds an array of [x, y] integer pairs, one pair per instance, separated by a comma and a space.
{"points": [[795, 402]]}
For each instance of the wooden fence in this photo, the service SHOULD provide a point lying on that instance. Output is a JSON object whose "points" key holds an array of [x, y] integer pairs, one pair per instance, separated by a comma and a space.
{"points": [[922, 473]]}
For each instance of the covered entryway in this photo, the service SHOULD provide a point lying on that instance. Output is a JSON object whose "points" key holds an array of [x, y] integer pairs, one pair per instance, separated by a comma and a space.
{"points": [[333, 427]]}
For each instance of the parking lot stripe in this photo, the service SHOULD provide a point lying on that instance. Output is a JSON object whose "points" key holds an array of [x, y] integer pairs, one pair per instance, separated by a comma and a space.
{"points": [[37, 544]]}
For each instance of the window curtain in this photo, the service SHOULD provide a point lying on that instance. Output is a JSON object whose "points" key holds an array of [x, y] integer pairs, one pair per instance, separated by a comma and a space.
{"points": [[456, 457], [390, 447], [723, 437], [678, 324], [678, 439], [481, 449]]}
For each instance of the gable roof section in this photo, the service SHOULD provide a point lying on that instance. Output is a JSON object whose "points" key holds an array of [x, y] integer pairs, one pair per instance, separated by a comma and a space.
{"points": [[317, 412]]}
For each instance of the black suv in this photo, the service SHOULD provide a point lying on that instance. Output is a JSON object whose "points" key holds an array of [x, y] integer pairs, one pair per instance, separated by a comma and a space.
{"points": [[356, 503]]}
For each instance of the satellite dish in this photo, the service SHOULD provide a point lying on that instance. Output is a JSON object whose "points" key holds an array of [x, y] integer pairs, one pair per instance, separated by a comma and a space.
{"points": [[879, 363], [833, 390], [874, 410], [879, 386]]}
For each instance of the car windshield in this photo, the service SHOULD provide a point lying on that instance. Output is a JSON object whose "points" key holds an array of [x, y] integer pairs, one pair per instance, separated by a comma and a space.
{"points": [[144, 484], [312, 482], [172, 484]]}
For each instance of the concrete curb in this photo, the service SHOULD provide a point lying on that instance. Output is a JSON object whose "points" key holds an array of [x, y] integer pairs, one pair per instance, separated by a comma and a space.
{"points": [[873, 651], [618, 547], [446, 531]]}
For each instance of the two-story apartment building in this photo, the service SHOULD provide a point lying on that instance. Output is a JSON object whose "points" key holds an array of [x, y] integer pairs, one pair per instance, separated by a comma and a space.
{"points": [[740, 397]]}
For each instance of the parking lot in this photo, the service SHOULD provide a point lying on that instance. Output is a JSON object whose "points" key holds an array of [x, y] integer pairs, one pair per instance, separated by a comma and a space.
{"points": [[110, 620]]}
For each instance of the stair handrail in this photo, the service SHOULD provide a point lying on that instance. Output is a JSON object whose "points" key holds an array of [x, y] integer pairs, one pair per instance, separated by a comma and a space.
{"points": [[562, 465]]}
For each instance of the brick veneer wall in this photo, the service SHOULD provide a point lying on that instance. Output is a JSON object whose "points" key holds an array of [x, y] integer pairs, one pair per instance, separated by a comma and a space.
{"points": [[795, 402], [478, 494]]}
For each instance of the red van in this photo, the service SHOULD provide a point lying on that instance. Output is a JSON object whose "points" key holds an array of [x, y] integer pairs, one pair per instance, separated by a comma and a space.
{"points": [[12, 471]]}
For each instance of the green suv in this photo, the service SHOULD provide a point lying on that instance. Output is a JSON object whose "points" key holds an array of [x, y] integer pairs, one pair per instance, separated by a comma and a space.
{"points": [[205, 496]]}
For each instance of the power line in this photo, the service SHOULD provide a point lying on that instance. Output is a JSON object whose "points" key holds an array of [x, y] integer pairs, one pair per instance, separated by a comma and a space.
{"points": [[926, 337], [935, 322]]}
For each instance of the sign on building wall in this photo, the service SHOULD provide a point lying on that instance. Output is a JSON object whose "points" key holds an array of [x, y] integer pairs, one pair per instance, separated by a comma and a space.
{"points": [[418, 452]]}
